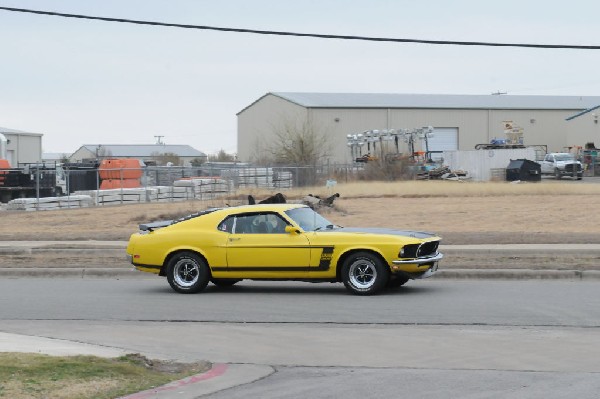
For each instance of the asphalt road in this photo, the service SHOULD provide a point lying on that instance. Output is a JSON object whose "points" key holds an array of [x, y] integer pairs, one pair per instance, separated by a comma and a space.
{"points": [[444, 338]]}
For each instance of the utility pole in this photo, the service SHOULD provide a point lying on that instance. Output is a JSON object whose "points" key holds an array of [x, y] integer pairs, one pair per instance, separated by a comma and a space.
{"points": [[159, 140]]}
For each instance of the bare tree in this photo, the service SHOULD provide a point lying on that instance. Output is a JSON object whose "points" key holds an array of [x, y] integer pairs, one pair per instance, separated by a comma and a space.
{"points": [[102, 152], [300, 144], [197, 161], [166, 158], [221, 156]]}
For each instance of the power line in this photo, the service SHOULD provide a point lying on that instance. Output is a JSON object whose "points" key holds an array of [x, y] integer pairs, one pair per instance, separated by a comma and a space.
{"points": [[297, 34]]}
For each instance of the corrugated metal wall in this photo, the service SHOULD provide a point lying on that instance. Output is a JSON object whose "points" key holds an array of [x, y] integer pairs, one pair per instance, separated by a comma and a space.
{"points": [[257, 125], [475, 126], [479, 163], [24, 147]]}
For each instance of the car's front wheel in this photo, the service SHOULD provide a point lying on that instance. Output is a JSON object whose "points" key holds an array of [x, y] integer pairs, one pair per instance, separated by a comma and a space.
{"points": [[364, 274], [187, 273]]}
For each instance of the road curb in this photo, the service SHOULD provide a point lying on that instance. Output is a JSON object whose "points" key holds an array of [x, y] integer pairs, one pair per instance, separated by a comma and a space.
{"points": [[517, 274], [219, 377], [61, 272], [443, 274], [28, 248]]}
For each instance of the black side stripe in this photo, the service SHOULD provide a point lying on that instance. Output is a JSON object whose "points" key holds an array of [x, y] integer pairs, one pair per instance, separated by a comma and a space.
{"points": [[326, 256], [266, 269]]}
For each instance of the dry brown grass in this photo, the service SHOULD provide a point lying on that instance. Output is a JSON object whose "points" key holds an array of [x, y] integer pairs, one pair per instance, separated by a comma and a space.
{"points": [[437, 188], [462, 212]]}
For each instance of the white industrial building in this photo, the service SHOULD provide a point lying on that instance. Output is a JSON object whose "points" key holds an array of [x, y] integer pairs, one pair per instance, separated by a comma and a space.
{"points": [[20, 147], [459, 121], [143, 152]]}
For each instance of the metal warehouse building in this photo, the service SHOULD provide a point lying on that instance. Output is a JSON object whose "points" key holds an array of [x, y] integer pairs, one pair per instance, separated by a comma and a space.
{"points": [[143, 152], [22, 147], [460, 121]]}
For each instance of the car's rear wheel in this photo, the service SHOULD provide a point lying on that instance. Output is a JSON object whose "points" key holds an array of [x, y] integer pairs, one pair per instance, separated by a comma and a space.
{"points": [[224, 282], [187, 273], [364, 273]]}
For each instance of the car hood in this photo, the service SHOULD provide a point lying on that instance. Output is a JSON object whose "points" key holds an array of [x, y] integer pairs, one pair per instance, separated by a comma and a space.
{"points": [[378, 230]]}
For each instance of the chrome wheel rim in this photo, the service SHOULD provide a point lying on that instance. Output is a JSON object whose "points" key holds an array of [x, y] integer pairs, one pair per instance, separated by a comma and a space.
{"points": [[362, 274], [186, 272]]}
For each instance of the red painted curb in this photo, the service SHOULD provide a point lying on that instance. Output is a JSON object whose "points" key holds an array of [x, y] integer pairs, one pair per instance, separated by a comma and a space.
{"points": [[216, 371]]}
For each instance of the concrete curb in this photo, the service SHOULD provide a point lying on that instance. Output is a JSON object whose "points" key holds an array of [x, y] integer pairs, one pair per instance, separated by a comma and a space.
{"points": [[443, 274], [62, 272], [25, 248], [218, 378], [517, 274]]}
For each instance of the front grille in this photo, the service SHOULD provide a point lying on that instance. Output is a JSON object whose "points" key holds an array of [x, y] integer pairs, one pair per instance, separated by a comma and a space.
{"points": [[409, 251], [569, 167], [420, 250], [428, 249]]}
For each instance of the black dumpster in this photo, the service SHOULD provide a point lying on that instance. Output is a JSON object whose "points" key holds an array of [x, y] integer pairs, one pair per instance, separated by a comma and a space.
{"points": [[523, 169]]}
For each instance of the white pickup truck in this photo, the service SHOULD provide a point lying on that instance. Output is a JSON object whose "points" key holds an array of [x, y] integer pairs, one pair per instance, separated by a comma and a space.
{"points": [[561, 164]]}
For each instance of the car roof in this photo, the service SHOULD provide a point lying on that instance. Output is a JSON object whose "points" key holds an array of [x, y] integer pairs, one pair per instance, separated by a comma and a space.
{"points": [[223, 212], [263, 207]]}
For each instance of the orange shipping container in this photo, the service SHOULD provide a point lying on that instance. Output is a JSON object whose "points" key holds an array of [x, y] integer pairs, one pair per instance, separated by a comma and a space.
{"points": [[3, 165], [120, 169], [117, 183]]}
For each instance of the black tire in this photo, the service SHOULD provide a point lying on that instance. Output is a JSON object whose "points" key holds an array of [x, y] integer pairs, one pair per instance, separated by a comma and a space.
{"points": [[364, 273], [397, 281], [187, 273], [224, 282]]}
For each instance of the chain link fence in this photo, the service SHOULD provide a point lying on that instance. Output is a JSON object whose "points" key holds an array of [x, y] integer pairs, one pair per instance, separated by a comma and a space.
{"points": [[80, 184]]}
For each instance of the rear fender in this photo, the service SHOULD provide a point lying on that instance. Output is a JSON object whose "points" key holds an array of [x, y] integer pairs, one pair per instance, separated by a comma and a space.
{"points": [[163, 269]]}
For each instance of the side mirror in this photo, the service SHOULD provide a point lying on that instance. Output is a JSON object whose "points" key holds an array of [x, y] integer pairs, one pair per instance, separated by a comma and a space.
{"points": [[291, 230]]}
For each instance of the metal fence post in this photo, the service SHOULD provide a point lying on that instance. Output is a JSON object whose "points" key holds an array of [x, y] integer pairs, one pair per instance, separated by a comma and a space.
{"points": [[37, 186], [121, 181]]}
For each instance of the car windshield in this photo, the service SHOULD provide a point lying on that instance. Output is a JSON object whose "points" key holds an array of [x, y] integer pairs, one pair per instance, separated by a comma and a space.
{"points": [[564, 157], [308, 219]]}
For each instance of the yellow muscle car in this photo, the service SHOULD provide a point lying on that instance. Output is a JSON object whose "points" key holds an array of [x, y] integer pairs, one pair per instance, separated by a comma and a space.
{"points": [[279, 242]]}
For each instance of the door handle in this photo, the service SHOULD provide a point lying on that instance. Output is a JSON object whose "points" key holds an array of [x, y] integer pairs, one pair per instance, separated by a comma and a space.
{"points": [[235, 239]]}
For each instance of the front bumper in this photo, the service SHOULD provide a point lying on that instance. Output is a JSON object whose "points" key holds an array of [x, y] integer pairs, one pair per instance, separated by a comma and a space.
{"points": [[413, 268], [419, 261]]}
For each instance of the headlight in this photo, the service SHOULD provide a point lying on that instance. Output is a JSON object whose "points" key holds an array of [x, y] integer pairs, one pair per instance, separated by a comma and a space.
{"points": [[409, 251]]}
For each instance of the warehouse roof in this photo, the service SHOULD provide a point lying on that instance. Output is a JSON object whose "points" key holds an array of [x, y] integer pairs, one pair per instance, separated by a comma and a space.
{"points": [[144, 150], [444, 101], [5, 130]]}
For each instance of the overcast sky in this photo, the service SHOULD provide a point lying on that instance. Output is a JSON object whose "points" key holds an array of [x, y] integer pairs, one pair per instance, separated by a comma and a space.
{"points": [[87, 82]]}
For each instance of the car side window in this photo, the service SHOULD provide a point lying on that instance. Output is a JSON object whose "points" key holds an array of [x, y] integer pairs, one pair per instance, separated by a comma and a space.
{"points": [[259, 224], [243, 224], [275, 224], [227, 225]]}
